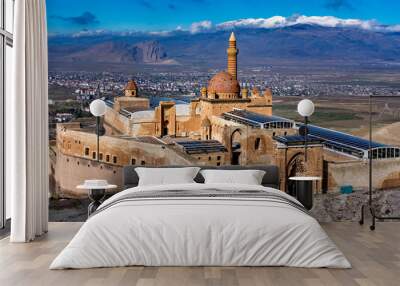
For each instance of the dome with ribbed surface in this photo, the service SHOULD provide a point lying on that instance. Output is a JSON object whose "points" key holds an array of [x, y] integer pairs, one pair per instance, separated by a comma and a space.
{"points": [[223, 83]]}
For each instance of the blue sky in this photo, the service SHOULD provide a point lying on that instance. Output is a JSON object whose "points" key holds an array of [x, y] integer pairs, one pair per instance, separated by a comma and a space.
{"points": [[156, 15]]}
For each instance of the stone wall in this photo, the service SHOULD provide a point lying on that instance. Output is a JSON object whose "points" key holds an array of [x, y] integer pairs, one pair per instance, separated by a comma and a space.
{"points": [[74, 158], [131, 103], [211, 159], [186, 126], [116, 123], [217, 107], [114, 150], [66, 172], [386, 174], [346, 207]]}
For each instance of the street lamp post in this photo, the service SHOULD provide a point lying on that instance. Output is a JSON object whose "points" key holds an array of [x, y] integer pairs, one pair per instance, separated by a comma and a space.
{"points": [[305, 108], [98, 109]]}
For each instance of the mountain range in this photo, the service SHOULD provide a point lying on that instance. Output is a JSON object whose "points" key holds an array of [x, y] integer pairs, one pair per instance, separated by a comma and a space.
{"points": [[302, 43]]}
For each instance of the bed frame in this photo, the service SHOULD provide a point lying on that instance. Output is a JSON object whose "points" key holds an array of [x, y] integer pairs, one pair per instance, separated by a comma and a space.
{"points": [[271, 178]]}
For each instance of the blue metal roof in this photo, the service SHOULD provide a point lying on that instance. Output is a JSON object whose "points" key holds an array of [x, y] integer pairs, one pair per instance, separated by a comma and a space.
{"points": [[297, 140], [257, 120], [352, 145], [201, 146], [341, 137], [109, 103]]}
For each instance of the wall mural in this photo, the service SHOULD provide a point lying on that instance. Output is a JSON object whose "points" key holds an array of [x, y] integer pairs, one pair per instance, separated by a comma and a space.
{"points": [[160, 112]]}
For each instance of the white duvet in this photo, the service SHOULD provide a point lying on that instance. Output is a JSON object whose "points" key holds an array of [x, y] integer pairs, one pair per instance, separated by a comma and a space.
{"points": [[202, 232]]}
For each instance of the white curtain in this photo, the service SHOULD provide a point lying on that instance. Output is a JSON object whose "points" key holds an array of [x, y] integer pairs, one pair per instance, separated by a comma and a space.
{"points": [[26, 119]]}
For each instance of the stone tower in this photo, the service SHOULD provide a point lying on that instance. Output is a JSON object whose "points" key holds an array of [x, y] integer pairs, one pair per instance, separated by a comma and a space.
{"points": [[131, 89], [232, 52]]}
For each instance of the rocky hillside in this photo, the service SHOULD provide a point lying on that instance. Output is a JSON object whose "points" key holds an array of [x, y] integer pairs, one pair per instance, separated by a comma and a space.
{"points": [[148, 52]]}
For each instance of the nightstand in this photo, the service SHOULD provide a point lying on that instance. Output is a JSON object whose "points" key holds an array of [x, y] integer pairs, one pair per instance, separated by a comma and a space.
{"points": [[96, 192], [304, 190]]}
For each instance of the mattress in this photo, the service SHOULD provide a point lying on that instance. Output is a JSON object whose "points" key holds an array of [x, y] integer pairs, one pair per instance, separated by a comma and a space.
{"points": [[201, 225]]}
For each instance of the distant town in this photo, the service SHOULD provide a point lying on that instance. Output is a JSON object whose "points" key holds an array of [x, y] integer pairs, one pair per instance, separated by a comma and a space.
{"points": [[89, 84]]}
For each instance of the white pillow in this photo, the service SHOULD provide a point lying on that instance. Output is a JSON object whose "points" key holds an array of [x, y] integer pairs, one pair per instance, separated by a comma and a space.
{"points": [[247, 177], [166, 176]]}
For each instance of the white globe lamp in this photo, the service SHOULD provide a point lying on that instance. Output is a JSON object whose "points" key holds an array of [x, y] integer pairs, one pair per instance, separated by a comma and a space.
{"points": [[305, 108], [97, 107]]}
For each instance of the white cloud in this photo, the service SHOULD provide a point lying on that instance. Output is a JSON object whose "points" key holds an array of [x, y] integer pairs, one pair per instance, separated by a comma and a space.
{"points": [[394, 28], [160, 33], [85, 33], [266, 23], [325, 21], [330, 21], [273, 22], [201, 26]]}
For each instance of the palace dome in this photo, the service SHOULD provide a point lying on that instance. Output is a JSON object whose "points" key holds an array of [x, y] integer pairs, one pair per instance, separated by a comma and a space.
{"points": [[223, 82], [131, 85]]}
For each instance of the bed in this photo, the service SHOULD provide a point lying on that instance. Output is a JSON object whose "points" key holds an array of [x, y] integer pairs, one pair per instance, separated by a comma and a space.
{"points": [[198, 224]]}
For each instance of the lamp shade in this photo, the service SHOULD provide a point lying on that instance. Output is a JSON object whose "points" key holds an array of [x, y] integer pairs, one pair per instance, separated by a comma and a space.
{"points": [[305, 108], [97, 107]]}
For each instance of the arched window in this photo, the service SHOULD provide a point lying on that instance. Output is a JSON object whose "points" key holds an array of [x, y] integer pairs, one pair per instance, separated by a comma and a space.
{"points": [[236, 147], [257, 143], [296, 167]]}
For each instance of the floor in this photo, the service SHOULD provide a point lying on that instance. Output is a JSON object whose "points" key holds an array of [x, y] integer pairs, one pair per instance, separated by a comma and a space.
{"points": [[375, 257]]}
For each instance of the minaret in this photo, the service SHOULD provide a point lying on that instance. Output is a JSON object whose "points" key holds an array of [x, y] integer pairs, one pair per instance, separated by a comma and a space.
{"points": [[232, 52]]}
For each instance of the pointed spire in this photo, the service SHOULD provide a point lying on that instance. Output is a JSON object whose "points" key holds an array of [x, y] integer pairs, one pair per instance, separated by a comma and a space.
{"points": [[232, 52], [232, 38]]}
